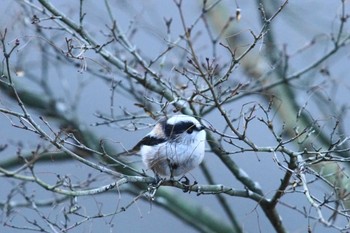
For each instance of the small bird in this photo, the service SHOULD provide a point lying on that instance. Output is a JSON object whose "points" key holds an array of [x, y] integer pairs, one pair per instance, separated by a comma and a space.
{"points": [[175, 146]]}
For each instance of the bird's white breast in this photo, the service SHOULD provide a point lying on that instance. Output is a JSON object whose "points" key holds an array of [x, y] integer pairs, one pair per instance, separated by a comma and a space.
{"points": [[175, 157]]}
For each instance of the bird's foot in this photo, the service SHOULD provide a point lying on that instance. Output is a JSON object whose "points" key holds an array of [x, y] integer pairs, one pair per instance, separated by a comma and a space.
{"points": [[186, 184]]}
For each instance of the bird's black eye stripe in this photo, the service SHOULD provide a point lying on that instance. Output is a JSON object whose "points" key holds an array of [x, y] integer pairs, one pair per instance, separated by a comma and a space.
{"points": [[149, 141], [171, 130]]}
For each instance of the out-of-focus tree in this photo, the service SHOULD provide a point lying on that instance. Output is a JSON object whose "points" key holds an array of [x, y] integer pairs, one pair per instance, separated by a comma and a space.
{"points": [[70, 73]]}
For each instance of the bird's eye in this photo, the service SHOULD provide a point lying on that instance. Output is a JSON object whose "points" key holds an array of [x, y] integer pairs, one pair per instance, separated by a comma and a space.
{"points": [[190, 130]]}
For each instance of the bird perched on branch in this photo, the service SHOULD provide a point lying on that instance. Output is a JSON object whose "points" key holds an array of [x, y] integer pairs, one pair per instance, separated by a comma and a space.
{"points": [[175, 146]]}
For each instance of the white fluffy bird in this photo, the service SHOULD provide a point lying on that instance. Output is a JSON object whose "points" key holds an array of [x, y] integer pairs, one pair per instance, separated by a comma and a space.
{"points": [[175, 146]]}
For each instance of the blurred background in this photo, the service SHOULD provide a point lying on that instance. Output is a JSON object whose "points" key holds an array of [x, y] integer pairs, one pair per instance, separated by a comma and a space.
{"points": [[77, 90]]}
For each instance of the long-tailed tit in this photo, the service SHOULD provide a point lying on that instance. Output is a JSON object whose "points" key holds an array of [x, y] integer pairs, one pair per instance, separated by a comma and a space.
{"points": [[175, 146]]}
